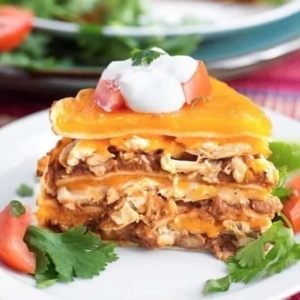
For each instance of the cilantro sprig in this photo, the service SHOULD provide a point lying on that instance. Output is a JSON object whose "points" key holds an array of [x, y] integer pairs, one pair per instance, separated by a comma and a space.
{"points": [[17, 209], [63, 256], [144, 57], [274, 251]]}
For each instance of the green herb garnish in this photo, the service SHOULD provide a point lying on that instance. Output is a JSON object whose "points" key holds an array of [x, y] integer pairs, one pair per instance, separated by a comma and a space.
{"points": [[284, 218], [89, 47], [274, 251], [285, 154], [144, 57], [17, 208], [63, 256], [24, 190], [217, 285]]}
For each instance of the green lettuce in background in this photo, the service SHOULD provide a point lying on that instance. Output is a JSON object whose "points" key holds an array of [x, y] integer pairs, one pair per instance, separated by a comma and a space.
{"points": [[285, 154], [88, 47]]}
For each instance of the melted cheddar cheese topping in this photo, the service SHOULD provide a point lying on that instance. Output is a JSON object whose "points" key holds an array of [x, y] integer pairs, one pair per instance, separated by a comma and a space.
{"points": [[228, 113]]}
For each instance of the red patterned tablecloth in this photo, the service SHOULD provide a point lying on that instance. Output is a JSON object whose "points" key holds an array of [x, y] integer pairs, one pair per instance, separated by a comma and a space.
{"points": [[276, 87]]}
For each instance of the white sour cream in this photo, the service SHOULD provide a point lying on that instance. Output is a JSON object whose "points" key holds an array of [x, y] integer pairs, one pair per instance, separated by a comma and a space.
{"points": [[153, 88]]}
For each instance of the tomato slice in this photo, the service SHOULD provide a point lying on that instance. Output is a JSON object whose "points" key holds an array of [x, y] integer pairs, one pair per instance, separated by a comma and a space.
{"points": [[291, 210], [198, 86], [108, 96], [15, 24], [13, 250], [295, 184]]}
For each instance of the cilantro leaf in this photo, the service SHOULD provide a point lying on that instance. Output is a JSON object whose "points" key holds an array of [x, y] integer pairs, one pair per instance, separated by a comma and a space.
{"points": [[17, 208], [258, 254], [238, 273], [144, 57], [280, 191], [64, 256], [271, 253], [24, 190], [283, 193], [48, 277], [217, 285]]}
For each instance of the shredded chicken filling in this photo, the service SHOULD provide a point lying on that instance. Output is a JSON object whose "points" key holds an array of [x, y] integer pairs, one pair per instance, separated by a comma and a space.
{"points": [[207, 213], [159, 222], [82, 191], [65, 162], [118, 211]]}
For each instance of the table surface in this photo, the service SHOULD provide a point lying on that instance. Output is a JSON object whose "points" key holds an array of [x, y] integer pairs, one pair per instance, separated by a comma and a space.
{"points": [[276, 87]]}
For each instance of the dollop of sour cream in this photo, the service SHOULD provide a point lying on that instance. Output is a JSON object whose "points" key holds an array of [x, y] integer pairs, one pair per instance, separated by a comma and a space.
{"points": [[153, 88]]}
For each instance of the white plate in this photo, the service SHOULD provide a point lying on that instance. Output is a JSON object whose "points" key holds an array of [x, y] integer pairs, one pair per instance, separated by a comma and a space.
{"points": [[139, 273], [212, 17]]}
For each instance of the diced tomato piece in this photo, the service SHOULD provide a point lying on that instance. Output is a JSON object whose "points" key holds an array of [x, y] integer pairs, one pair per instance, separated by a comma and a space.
{"points": [[15, 24], [295, 184], [108, 96], [198, 86], [291, 210], [13, 250]]}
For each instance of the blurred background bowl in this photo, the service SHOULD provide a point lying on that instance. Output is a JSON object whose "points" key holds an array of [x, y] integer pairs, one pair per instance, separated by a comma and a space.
{"points": [[210, 19], [231, 38]]}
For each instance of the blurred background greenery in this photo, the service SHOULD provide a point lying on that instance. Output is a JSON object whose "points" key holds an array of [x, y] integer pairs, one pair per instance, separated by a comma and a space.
{"points": [[88, 47]]}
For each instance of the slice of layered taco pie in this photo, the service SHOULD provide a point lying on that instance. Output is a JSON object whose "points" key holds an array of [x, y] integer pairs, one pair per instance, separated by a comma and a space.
{"points": [[160, 155]]}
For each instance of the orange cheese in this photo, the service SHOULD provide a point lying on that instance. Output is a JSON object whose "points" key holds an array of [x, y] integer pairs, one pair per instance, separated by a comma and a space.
{"points": [[228, 113], [207, 225], [46, 213], [115, 180], [167, 144], [131, 143], [148, 143], [180, 189], [194, 224], [189, 221]]}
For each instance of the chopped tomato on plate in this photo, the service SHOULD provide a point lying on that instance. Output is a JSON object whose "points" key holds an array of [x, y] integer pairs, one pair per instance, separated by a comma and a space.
{"points": [[13, 250], [291, 208], [15, 24], [108, 96]]}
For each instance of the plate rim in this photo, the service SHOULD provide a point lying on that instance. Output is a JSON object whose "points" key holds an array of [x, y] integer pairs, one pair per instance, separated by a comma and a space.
{"points": [[272, 15]]}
